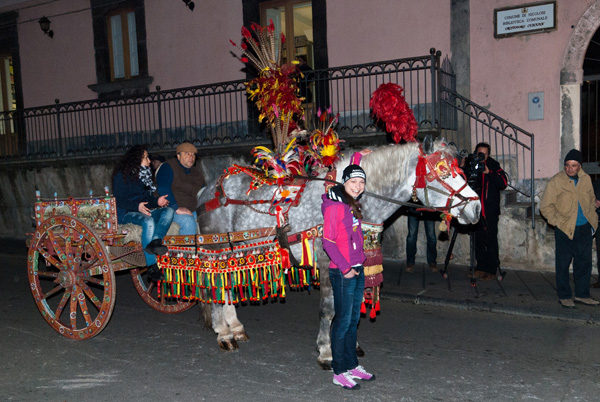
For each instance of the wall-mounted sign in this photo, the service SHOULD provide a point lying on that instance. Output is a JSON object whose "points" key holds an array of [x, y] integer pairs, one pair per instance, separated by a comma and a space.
{"points": [[527, 19]]}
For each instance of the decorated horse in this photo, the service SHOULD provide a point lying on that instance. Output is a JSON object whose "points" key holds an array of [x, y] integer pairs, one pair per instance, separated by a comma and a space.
{"points": [[428, 172], [283, 190]]}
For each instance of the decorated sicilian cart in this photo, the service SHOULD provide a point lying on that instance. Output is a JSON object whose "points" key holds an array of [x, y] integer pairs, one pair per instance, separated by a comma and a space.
{"points": [[77, 247]]}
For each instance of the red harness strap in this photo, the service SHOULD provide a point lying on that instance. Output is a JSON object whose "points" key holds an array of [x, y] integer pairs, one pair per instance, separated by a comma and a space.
{"points": [[437, 167]]}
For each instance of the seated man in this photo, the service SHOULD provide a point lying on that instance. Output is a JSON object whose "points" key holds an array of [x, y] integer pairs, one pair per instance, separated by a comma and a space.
{"points": [[180, 181]]}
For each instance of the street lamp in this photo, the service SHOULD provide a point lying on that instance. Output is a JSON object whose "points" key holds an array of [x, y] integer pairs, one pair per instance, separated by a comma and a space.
{"points": [[45, 25], [190, 4]]}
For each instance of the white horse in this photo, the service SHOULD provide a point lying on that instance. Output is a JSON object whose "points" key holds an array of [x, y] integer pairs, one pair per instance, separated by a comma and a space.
{"points": [[391, 172]]}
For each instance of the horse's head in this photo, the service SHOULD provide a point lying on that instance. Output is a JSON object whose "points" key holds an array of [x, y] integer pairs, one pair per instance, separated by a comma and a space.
{"points": [[441, 184]]}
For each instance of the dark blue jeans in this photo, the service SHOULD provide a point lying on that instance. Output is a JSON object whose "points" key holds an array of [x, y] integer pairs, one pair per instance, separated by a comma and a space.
{"points": [[153, 227], [578, 250], [187, 223], [347, 297], [411, 240]]}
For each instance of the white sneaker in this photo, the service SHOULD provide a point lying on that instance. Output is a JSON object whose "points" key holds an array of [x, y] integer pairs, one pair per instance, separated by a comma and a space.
{"points": [[360, 373], [345, 381], [587, 300]]}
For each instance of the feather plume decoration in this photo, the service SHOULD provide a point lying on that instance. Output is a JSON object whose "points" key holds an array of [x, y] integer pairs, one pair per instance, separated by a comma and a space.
{"points": [[275, 164], [388, 105], [324, 141], [275, 89], [276, 94]]}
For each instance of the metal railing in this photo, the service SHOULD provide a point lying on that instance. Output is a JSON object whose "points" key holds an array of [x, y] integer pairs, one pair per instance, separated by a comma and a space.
{"points": [[210, 115], [466, 123], [206, 115]]}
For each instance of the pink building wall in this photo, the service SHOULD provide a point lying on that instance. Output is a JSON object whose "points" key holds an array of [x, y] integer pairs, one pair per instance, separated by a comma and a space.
{"points": [[194, 48], [185, 48], [504, 71], [61, 67], [360, 31]]}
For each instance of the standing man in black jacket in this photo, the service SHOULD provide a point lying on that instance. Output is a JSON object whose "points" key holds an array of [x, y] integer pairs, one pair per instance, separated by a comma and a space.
{"points": [[490, 183]]}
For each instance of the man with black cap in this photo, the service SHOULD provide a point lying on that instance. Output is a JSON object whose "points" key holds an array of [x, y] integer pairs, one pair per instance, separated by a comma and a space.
{"points": [[568, 204], [180, 181]]}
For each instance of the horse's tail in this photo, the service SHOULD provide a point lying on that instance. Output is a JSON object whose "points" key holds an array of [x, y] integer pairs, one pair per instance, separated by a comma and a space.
{"points": [[205, 309]]}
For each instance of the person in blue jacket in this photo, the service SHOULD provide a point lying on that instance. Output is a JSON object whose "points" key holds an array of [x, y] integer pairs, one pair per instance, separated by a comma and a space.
{"points": [[343, 243], [136, 203]]}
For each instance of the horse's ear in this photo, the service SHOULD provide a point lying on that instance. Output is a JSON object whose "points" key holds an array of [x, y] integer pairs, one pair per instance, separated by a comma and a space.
{"points": [[428, 144]]}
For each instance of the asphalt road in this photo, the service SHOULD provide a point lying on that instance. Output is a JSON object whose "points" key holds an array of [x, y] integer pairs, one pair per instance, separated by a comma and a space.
{"points": [[418, 352]]}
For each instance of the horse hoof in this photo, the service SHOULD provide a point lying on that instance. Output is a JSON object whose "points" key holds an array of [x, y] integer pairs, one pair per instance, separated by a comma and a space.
{"points": [[324, 364], [241, 336], [228, 344], [359, 351]]}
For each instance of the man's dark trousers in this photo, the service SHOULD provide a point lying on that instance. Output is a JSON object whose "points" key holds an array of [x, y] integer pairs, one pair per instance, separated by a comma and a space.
{"points": [[486, 244], [580, 251]]}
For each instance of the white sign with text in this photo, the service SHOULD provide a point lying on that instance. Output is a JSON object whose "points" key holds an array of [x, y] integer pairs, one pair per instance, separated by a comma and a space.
{"points": [[525, 19]]}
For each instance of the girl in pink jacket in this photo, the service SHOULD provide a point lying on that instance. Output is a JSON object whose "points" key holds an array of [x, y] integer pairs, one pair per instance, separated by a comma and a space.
{"points": [[343, 243]]}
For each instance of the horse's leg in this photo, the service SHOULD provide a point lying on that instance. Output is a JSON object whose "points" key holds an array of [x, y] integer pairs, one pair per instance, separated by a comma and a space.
{"points": [[326, 313], [219, 325], [235, 326]]}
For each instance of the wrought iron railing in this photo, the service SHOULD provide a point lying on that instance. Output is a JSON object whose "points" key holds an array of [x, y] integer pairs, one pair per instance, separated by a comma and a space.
{"points": [[210, 115], [466, 123]]}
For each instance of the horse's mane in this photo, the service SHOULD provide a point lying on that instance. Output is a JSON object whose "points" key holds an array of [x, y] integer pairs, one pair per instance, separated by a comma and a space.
{"points": [[391, 162]]}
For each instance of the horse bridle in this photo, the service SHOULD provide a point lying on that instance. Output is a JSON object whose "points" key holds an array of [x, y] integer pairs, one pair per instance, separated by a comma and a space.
{"points": [[438, 166]]}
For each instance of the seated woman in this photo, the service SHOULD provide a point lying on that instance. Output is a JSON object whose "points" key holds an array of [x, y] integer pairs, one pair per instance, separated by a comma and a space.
{"points": [[136, 203]]}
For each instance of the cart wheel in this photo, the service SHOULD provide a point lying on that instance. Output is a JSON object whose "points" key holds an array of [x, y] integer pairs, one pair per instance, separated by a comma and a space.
{"points": [[148, 290], [71, 277]]}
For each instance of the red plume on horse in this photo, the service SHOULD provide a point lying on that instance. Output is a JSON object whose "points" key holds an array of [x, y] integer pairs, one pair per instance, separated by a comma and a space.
{"points": [[388, 105]]}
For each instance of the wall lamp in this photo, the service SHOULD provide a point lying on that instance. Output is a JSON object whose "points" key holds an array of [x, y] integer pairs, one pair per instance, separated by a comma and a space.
{"points": [[190, 4], [45, 25]]}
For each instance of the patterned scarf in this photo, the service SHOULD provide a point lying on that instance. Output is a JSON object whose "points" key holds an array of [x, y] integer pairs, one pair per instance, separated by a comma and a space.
{"points": [[146, 177]]}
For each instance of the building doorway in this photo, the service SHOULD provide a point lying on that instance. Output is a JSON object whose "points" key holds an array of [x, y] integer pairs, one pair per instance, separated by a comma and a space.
{"points": [[294, 19], [8, 106], [590, 106]]}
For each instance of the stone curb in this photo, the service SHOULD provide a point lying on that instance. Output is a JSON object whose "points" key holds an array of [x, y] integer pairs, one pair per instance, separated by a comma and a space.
{"points": [[571, 315]]}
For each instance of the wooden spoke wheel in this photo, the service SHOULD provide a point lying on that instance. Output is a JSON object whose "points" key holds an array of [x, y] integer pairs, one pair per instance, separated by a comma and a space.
{"points": [[71, 277], [148, 290]]}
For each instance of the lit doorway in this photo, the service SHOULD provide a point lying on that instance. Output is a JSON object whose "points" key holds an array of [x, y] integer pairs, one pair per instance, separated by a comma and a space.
{"points": [[294, 19], [8, 105]]}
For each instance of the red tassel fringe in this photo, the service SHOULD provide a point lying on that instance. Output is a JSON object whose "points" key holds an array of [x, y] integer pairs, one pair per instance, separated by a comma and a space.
{"points": [[421, 172]]}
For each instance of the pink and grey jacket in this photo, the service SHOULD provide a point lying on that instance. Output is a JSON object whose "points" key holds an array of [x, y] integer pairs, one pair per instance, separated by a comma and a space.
{"points": [[342, 235]]}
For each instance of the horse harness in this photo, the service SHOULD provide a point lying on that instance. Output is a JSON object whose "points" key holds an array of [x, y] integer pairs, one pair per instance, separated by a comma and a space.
{"points": [[440, 166], [287, 194], [437, 166]]}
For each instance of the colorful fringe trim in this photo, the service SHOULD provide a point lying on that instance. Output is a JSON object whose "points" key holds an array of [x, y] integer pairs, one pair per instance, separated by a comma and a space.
{"points": [[250, 272], [247, 273]]}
